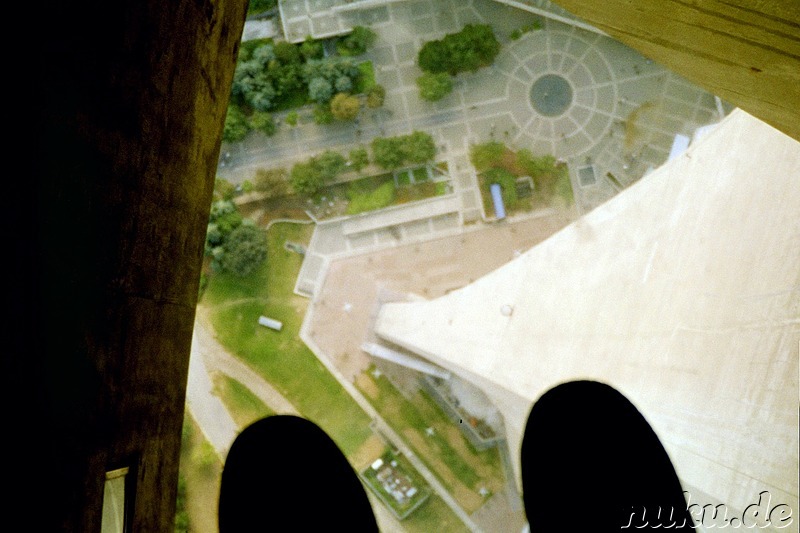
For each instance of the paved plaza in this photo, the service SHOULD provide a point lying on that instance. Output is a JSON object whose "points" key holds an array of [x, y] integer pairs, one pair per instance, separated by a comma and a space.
{"points": [[617, 118], [619, 123]]}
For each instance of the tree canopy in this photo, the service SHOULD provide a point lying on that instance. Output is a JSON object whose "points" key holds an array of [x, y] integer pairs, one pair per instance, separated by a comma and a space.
{"points": [[345, 106], [357, 42], [394, 152], [475, 46], [434, 86], [244, 250], [310, 176], [236, 126], [327, 76]]}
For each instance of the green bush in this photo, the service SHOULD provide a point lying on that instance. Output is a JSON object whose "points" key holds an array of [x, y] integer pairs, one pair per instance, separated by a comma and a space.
{"points": [[357, 42], [236, 126], [475, 46], [487, 155], [434, 86]]}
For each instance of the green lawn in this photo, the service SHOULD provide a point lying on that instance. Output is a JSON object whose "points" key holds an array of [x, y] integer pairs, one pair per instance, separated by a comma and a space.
{"points": [[443, 447], [244, 406], [434, 515], [282, 358]]}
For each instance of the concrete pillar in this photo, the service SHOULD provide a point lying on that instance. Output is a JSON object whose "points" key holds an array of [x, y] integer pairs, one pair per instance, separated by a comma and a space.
{"points": [[131, 98]]}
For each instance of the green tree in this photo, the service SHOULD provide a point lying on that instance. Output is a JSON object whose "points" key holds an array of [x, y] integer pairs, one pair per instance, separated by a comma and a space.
{"points": [[320, 90], [434, 86], [487, 155], [223, 218], [272, 182], [375, 96], [357, 42], [286, 52], [305, 178], [245, 249], [418, 147], [473, 47], [291, 118], [330, 164], [345, 106], [252, 79], [263, 122], [324, 75], [223, 189], [310, 176], [434, 56], [359, 158], [311, 49], [235, 128], [387, 152]]}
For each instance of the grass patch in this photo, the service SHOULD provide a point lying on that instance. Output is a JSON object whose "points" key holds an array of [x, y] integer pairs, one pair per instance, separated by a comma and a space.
{"points": [[403, 178], [366, 78], [420, 174], [200, 472], [418, 191], [447, 453], [281, 358], [435, 515], [369, 194], [497, 163], [245, 407]]}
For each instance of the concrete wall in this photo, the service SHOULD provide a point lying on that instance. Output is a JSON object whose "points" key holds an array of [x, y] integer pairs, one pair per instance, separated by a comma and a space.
{"points": [[129, 99]]}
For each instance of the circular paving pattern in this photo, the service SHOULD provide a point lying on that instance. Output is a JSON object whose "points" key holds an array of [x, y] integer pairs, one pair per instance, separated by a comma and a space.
{"points": [[569, 86], [551, 95]]}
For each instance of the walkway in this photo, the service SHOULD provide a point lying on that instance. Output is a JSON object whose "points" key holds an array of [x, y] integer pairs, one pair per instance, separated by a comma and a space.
{"points": [[207, 409]]}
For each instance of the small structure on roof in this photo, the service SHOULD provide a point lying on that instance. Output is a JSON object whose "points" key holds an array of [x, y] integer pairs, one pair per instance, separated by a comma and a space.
{"points": [[271, 323]]}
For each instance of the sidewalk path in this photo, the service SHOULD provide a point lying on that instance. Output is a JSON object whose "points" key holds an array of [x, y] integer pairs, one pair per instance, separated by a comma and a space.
{"points": [[207, 409]]}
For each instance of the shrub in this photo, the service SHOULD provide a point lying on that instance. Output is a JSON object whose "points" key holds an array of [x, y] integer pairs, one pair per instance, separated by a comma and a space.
{"points": [[235, 128], [357, 42], [273, 182], [487, 155], [376, 96], [345, 106], [433, 87], [473, 47], [263, 122]]}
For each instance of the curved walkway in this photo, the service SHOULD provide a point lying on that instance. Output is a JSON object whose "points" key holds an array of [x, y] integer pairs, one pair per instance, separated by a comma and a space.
{"points": [[207, 409]]}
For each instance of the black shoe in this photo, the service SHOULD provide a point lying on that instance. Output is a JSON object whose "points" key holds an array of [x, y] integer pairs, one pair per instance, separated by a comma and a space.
{"points": [[283, 473], [591, 462]]}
